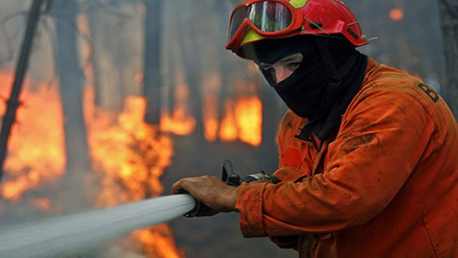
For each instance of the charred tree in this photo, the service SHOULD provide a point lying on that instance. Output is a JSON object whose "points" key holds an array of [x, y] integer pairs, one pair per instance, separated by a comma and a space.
{"points": [[152, 73], [192, 66], [111, 33], [71, 90], [171, 67], [225, 65], [21, 69], [449, 21], [92, 22]]}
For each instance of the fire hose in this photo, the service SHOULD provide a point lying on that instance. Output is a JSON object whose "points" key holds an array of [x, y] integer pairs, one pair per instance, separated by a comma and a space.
{"points": [[72, 233]]}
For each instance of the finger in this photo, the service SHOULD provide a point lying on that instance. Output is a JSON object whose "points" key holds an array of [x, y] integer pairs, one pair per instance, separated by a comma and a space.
{"points": [[177, 186], [190, 184]]}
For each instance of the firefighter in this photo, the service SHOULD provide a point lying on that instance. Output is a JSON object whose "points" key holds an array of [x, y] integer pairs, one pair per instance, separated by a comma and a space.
{"points": [[367, 153]]}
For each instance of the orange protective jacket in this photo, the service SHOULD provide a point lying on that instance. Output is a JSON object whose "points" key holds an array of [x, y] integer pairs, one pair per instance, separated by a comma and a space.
{"points": [[385, 186]]}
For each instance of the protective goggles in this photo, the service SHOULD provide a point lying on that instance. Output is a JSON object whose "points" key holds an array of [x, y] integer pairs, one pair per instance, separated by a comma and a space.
{"points": [[271, 19]]}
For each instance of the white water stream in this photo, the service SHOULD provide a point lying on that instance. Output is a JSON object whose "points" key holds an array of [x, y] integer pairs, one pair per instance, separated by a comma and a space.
{"points": [[79, 232]]}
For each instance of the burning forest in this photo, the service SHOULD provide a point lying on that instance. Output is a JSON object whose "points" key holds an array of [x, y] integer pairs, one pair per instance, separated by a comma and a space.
{"points": [[122, 98]]}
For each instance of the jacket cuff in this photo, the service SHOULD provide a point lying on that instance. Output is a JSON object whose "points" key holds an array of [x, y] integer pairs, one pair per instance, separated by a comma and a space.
{"points": [[249, 203]]}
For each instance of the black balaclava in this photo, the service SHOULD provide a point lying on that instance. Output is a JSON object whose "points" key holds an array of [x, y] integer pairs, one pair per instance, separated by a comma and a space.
{"points": [[303, 90], [323, 85]]}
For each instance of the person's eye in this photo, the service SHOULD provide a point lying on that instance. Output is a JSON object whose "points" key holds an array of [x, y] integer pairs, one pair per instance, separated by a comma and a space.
{"points": [[293, 66]]}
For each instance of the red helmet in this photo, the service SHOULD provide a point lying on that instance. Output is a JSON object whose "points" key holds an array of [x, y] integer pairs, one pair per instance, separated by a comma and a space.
{"points": [[255, 20]]}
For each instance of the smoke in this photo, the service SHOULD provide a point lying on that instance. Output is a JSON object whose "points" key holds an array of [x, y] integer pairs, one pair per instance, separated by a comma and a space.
{"points": [[193, 39]]}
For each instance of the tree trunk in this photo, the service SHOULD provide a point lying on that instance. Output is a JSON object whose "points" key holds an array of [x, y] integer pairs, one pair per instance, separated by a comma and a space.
{"points": [[71, 90], [21, 69], [225, 64], [192, 66], [97, 84], [152, 74], [449, 20]]}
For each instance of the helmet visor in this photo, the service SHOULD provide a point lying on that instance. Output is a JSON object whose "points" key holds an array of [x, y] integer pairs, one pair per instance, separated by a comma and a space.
{"points": [[267, 16]]}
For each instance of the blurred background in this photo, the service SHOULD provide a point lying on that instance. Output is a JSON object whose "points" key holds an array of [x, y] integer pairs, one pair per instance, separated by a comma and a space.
{"points": [[122, 98]]}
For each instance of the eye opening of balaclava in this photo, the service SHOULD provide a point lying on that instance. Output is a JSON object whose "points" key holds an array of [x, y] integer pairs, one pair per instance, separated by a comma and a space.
{"points": [[304, 90], [273, 50]]}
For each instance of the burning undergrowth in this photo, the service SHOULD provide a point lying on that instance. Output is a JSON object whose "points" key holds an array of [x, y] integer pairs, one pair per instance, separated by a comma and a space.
{"points": [[131, 157], [128, 157]]}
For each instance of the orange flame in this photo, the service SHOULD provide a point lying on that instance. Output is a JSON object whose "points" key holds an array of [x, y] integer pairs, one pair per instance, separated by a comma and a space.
{"points": [[243, 121], [128, 155], [158, 242], [210, 118], [35, 150], [131, 156], [129, 151], [179, 122], [228, 129], [248, 113], [242, 118]]}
